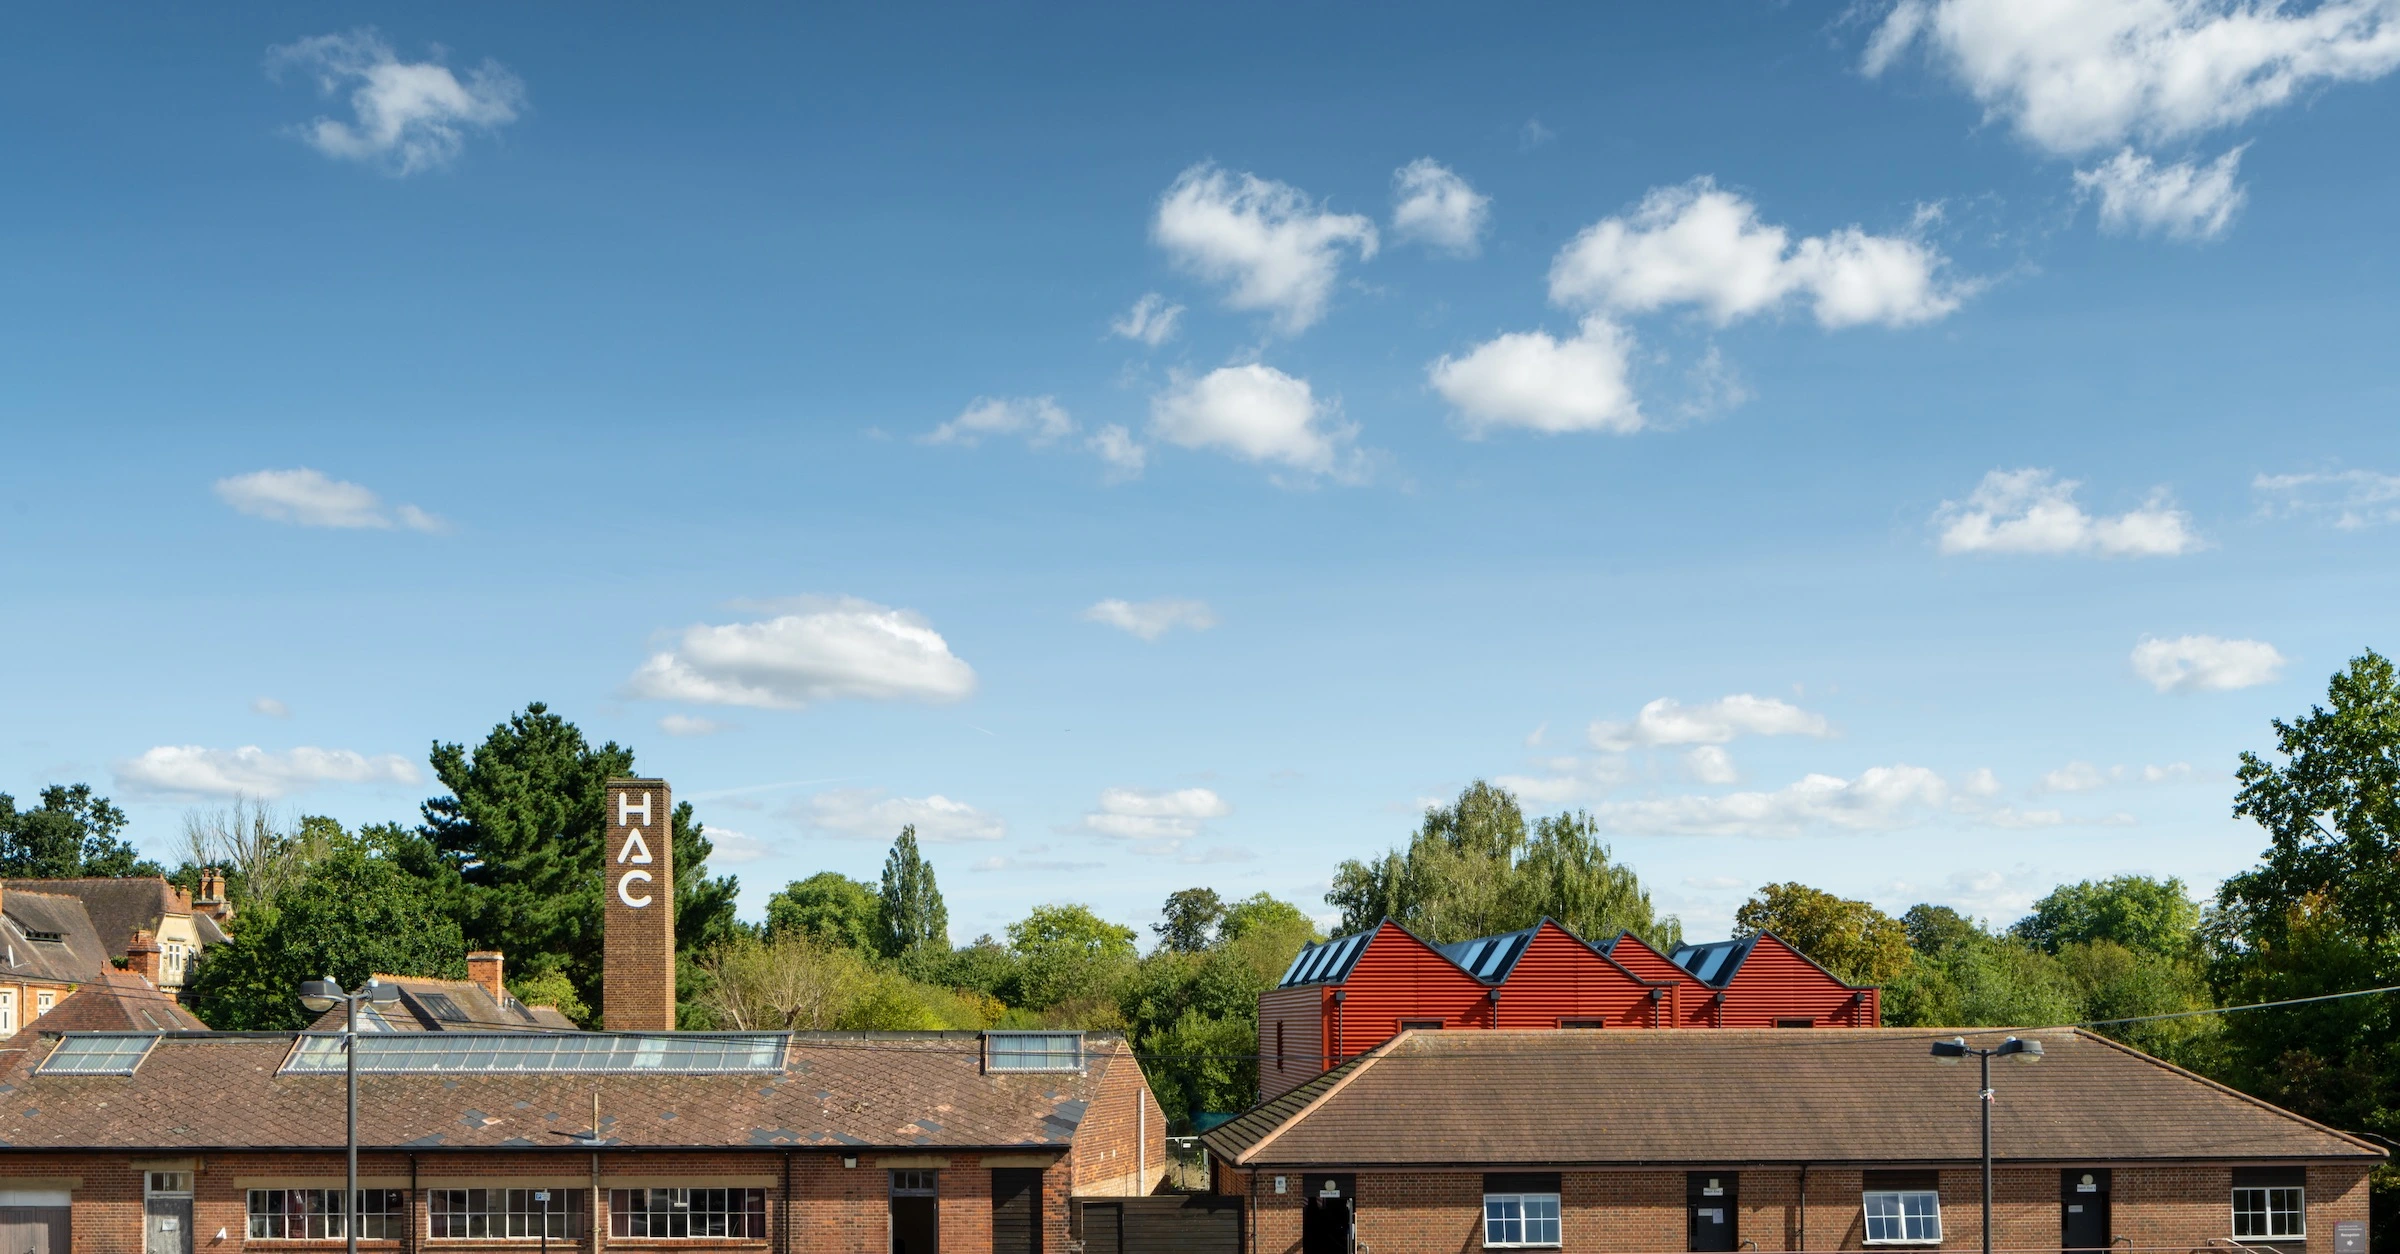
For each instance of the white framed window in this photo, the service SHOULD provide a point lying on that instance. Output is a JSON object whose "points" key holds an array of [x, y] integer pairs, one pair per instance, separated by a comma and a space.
{"points": [[516, 1213], [1515, 1220], [1904, 1217], [8, 1012], [168, 1184], [2277, 1211], [43, 1000], [316, 1214]]}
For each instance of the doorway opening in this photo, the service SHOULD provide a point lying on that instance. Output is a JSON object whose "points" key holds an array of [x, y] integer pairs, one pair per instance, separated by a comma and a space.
{"points": [[916, 1212], [1329, 1217]]}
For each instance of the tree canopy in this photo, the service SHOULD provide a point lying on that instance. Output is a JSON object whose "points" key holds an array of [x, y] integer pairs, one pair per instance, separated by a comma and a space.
{"points": [[2135, 911], [1475, 867], [1852, 939], [72, 833], [829, 907], [910, 917], [1189, 920]]}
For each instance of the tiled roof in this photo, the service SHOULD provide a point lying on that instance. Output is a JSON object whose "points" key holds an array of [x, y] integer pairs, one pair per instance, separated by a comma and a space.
{"points": [[75, 956], [119, 906], [113, 1001], [431, 1005], [872, 1090], [1826, 1095]]}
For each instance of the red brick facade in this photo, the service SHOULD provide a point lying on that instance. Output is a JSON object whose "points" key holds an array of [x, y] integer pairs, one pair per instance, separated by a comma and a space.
{"points": [[2154, 1207], [638, 908]]}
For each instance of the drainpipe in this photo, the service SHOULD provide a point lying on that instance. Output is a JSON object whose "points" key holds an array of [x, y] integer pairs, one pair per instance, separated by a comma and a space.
{"points": [[1141, 1142], [1802, 1243], [787, 1203], [1494, 995], [1338, 995], [1254, 1202], [592, 1213], [411, 1238]]}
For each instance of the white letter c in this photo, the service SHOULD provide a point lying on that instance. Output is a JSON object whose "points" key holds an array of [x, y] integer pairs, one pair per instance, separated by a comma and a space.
{"points": [[625, 881]]}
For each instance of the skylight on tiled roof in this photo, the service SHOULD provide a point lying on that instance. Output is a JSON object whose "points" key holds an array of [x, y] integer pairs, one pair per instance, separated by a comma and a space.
{"points": [[1033, 1051], [678, 1053], [100, 1053], [441, 1007]]}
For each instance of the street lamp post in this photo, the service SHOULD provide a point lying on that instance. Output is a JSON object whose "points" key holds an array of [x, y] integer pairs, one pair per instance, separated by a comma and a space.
{"points": [[321, 996], [1951, 1051]]}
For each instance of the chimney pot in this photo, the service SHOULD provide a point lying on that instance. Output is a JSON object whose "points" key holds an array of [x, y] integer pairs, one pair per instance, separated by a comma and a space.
{"points": [[484, 967]]}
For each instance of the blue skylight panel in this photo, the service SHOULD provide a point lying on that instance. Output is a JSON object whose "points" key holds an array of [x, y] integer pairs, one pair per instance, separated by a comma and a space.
{"points": [[500, 1053], [101, 1053]]}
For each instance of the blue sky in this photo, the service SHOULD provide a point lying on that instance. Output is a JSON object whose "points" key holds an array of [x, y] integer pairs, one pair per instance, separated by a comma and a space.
{"points": [[1912, 451]]}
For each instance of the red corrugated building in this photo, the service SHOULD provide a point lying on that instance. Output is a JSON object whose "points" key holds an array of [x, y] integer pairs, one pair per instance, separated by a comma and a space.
{"points": [[1344, 997]]}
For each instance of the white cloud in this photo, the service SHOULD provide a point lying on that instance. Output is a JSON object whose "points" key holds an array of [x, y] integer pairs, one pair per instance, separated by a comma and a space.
{"points": [[1565, 778], [1274, 249], [1696, 244], [728, 845], [1258, 413], [868, 813], [1714, 883], [687, 725], [2077, 76], [2355, 498], [2205, 663], [1981, 782], [823, 650], [2184, 200], [1667, 721], [1533, 135], [194, 771], [1036, 418], [2085, 777], [1152, 619], [1881, 797], [1157, 822], [1116, 447], [1528, 379], [1710, 764], [2034, 511], [1151, 321], [311, 498], [408, 115], [1432, 205], [270, 707]]}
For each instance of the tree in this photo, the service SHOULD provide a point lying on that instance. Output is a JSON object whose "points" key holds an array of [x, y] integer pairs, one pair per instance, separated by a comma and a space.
{"points": [[1852, 939], [259, 855], [829, 907], [72, 833], [2135, 911], [1474, 868], [910, 919], [1067, 955], [1937, 930], [522, 829], [1189, 920], [355, 914]]}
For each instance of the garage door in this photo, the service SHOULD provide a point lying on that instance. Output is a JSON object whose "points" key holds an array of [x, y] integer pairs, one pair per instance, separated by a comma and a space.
{"points": [[34, 1221]]}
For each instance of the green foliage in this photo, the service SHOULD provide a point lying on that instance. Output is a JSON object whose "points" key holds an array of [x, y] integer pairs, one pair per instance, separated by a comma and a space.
{"points": [[1189, 920], [1982, 982], [797, 982], [555, 990], [516, 847], [1852, 939], [354, 914], [1937, 930], [1194, 1015], [910, 917], [2135, 911], [1067, 957], [72, 833], [1474, 868], [828, 906]]}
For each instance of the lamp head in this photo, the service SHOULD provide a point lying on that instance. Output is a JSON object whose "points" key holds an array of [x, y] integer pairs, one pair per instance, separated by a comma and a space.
{"points": [[2023, 1050], [381, 993], [1951, 1050], [320, 995]]}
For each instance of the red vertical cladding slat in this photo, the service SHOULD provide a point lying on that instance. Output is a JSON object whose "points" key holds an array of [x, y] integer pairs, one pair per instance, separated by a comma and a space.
{"points": [[1559, 977], [1774, 982], [1400, 977], [1687, 1004]]}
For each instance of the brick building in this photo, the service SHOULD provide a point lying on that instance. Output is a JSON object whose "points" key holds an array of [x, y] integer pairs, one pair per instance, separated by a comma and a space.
{"points": [[479, 1003], [153, 927], [1343, 997], [181, 1142], [1842, 1139]]}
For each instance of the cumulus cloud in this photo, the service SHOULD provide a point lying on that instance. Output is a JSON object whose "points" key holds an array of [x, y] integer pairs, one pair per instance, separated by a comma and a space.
{"points": [[1152, 619], [1037, 419], [1271, 247], [2085, 777], [1119, 451], [1878, 798], [311, 498], [2205, 663], [270, 707], [1433, 206], [1667, 721], [2089, 75], [2034, 511], [2184, 200], [1530, 380], [194, 771], [869, 813], [1257, 413], [1710, 764], [728, 845], [1699, 245], [821, 651], [1157, 822], [1151, 321], [2351, 498], [407, 116], [689, 725]]}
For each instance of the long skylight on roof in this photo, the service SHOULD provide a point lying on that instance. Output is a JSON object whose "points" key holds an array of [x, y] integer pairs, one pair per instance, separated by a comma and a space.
{"points": [[440, 1053], [101, 1053]]}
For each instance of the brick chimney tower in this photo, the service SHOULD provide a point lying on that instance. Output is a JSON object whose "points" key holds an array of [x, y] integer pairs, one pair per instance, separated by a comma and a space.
{"points": [[637, 952], [210, 900], [142, 957], [483, 967]]}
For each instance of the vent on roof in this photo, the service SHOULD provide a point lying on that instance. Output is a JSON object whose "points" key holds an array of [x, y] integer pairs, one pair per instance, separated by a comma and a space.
{"points": [[681, 1053], [1033, 1051], [100, 1053], [441, 1007]]}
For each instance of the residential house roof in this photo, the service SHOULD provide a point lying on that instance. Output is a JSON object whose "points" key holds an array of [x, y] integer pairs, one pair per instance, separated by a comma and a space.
{"points": [[48, 938], [227, 1090], [112, 1001], [1736, 1095], [123, 905], [431, 1005]]}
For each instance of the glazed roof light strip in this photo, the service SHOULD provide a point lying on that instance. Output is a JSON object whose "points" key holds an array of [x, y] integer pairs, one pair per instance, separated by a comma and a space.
{"points": [[452, 1053], [100, 1053]]}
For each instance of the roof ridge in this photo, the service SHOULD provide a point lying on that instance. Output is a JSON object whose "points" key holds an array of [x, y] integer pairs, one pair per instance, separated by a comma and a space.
{"points": [[1365, 1062], [2229, 1090]]}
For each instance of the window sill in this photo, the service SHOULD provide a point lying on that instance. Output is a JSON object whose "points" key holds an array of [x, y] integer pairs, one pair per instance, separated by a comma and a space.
{"points": [[1524, 1245], [1923, 1243]]}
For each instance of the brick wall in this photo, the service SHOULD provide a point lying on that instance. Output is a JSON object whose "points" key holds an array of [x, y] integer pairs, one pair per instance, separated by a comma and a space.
{"points": [[2156, 1207], [637, 944], [1113, 1157]]}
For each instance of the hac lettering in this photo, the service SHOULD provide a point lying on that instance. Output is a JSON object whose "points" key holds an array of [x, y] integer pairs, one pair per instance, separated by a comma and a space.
{"points": [[625, 884]]}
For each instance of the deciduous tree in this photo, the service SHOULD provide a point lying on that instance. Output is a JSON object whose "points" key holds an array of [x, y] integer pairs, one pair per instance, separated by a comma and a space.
{"points": [[73, 832], [910, 919]]}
